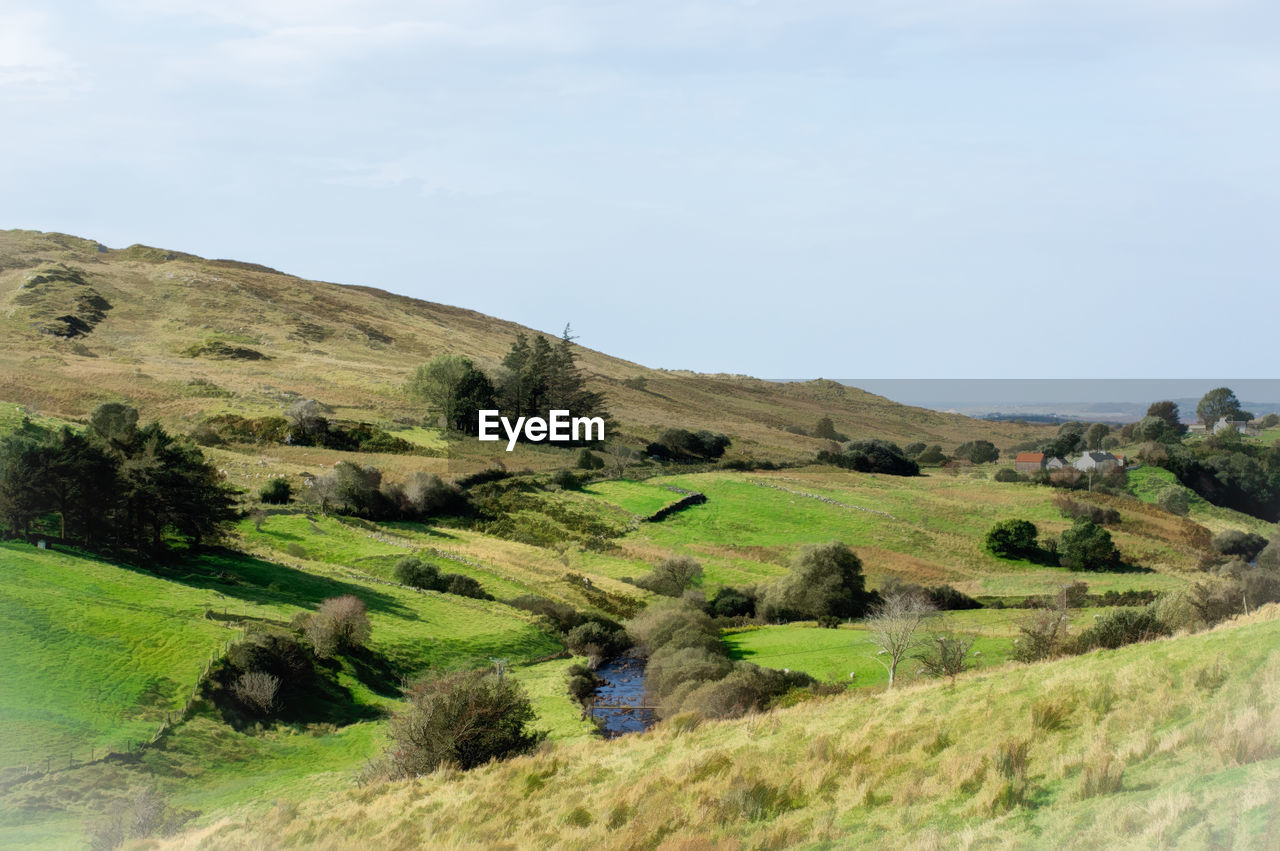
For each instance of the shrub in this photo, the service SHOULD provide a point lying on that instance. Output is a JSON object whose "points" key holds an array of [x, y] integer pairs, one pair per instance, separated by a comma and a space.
{"points": [[1087, 546], [257, 692], [1174, 500], [1040, 636], [1234, 542], [461, 719], [588, 460], [340, 624], [871, 456], [276, 492], [824, 580], [978, 451], [672, 576], [932, 456], [418, 574], [730, 602], [1012, 539], [1007, 474], [595, 638], [944, 655], [566, 479], [1119, 627]]}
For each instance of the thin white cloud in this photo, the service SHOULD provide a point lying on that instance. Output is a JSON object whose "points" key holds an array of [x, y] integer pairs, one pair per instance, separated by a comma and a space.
{"points": [[30, 63]]}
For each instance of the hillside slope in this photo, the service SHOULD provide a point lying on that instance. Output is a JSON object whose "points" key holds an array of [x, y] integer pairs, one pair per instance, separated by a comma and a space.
{"points": [[182, 337], [1171, 743]]}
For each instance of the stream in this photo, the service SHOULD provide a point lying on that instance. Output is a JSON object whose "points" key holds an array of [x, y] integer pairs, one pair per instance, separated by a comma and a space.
{"points": [[620, 698]]}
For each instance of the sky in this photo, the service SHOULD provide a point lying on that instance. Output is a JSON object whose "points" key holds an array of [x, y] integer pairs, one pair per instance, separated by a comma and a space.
{"points": [[802, 188]]}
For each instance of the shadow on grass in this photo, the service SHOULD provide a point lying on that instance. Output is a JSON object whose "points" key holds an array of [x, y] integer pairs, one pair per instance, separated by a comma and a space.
{"points": [[255, 580]]}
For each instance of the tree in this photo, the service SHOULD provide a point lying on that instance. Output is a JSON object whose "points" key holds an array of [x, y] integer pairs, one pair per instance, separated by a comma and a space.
{"points": [[1169, 413], [462, 719], [1087, 546], [1012, 539], [672, 576], [1095, 434], [437, 383], [931, 456], [893, 627], [1218, 403], [824, 580], [309, 425]]}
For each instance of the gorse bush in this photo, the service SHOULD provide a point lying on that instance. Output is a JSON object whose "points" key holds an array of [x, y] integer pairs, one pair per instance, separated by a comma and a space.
{"points": [[462, 719], [1072, 509]]}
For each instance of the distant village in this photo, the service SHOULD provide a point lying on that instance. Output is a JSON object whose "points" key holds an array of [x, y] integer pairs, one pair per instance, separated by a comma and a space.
{"points": [[1102, 463]]}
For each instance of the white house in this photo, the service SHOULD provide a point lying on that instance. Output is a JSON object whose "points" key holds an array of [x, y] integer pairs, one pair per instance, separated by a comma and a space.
{"points": [[1096, 462], [1242, 426]]}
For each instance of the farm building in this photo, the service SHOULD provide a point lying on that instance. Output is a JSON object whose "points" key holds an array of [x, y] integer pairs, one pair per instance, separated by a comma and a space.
{"points": [[1096, 462], [1029, 462]]}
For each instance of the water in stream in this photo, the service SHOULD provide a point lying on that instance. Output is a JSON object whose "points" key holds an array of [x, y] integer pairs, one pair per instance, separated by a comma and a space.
{"points": [[622, 695]]}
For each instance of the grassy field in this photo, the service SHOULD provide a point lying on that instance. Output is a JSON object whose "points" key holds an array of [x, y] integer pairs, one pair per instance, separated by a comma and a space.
{"points": [[927, 529], [832, 655], [1145, 746]]}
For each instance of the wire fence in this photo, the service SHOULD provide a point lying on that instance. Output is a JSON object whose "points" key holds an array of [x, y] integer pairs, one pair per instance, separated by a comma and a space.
{"points": [[133, 747]]}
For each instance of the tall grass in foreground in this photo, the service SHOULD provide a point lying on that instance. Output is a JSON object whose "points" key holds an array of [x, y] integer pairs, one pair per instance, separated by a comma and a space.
{"points": [[1173, 742]]}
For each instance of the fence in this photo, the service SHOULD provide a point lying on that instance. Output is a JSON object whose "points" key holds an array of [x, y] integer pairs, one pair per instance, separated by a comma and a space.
{"points": [[51, 764]]}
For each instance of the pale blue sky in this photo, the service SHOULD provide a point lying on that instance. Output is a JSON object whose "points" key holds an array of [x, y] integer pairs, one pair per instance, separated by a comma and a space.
{"points": [[921, 188]]}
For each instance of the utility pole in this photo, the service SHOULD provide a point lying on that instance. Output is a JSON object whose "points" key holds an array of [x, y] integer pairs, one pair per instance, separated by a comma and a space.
{"points": [[500, 665]]}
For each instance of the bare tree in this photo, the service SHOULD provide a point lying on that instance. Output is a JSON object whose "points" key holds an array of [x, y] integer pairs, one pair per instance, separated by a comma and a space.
{"points": [[622, 457], [894, 625], [258, 691]]}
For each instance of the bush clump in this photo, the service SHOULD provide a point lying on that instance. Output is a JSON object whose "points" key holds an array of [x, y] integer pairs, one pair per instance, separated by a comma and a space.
{"points": [[462, 719], [672, 577], [1119, 627], [276, 492], [826, 579], [871, 456], [417, 573], [341, 624]]}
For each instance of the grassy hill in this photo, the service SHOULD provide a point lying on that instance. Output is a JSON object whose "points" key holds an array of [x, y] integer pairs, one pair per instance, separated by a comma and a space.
{"points": [[95, 655], [183, 337], [1174, 743]]}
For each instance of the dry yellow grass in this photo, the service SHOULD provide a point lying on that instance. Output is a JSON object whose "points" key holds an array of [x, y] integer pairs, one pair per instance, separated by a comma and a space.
{"points": [[1170, 744], [353, 347]]}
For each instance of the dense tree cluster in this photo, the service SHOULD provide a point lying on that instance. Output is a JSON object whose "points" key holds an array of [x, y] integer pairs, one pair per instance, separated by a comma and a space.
{"points": [[679, 444], [871, 456], [689, 668], [361, 492], [116, 486], [534, 379], [977, 451]]}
